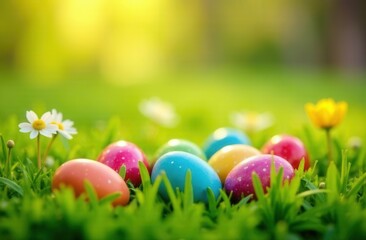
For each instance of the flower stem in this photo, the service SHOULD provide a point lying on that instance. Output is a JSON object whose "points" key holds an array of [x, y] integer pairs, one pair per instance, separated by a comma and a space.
{"points": [[49, 147], [329, 143], [8, 163], [39, 151]]}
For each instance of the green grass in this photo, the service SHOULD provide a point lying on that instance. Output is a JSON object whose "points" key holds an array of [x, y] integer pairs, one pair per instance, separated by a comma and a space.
{"points": [[104, 113]]}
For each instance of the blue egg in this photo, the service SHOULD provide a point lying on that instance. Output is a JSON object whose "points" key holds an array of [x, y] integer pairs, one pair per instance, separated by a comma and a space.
{"points": [[176, 164], [223, 137]]}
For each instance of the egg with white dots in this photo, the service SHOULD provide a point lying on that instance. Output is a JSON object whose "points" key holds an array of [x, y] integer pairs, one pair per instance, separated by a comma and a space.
{"points": [[239, 180], [176, 164], [127, 154]]}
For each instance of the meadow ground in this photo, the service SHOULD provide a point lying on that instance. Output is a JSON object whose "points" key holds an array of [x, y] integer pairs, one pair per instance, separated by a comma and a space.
{"points": [[104, 112]]}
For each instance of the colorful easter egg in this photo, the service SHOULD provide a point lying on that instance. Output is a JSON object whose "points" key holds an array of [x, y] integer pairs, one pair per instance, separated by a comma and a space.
{"points": [[180, 145], [123, 153], [104, 180], [223, 137], [288, 147], [229, 156], [239, 180], [176, 164]]}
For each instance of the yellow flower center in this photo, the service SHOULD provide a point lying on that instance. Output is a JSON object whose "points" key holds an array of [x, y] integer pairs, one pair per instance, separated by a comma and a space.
{"points": [[59, 125], [39, 124]]}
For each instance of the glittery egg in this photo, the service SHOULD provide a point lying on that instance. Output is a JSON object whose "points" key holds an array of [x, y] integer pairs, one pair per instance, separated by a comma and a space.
{"points": [[123, 153], [239, 180]]}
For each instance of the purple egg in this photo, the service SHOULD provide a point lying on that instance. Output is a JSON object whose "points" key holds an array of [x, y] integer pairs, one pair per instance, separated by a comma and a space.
{"points": [[239, 180]]}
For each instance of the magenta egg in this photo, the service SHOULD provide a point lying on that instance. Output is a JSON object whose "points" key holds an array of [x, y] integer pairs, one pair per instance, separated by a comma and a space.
{"points": [[123, 153], [239, 180], [290, 148]]}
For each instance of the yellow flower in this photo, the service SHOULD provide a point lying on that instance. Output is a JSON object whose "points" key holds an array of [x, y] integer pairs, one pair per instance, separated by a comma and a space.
{"points": [[326, 113]]}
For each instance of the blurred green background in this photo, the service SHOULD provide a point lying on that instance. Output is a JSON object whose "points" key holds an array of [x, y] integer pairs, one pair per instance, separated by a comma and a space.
{"points": [[98, 59], [129, 40]]}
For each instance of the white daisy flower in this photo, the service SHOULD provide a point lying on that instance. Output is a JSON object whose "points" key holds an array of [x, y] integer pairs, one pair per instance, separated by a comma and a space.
{"points": [[37, 125], [160, 112], [355, 142], [252, 121], [65, 128]]}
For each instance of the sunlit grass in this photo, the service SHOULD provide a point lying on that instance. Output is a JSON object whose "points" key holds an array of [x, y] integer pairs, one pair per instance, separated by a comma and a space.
{"points": [[105, 113]]}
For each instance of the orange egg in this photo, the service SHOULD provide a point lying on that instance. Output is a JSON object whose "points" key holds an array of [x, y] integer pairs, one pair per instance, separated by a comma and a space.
{"points": [[104, 179], [228, 157]]}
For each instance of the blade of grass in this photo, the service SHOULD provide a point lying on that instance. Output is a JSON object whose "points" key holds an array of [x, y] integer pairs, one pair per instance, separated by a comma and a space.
{"points": [[258, 187], [311, 192], [109, 198], [332, 182], [173, 198], [92, 195], [356, 186], [313, 169], [122, 171], [212, 204], [12, 185], [245, 200], [267, 211], [226, 204], [3, 146], [345, 168], [188, 190], [145, 176]]}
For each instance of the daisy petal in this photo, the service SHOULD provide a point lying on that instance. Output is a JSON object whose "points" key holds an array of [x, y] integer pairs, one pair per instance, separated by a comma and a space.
{"points": [[71, 130], [67, 123], [65, 134], [25, 127], [33, 134], [46, 133], [31, 116], [47, 117], [52, 128], [57, 116]]}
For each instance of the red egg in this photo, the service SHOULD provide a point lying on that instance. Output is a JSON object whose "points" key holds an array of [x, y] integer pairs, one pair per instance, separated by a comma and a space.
{"points": [[105, 181], [290, 148], [124, 153], [239, 180]]}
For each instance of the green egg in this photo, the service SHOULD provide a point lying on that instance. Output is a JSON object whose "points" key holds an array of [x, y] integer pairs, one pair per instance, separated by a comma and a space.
{"points": [[180, 145]]}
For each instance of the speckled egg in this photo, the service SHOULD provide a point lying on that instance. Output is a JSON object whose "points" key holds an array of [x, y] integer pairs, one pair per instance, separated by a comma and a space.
{"points": [[223, 137], [229, 156], [180, 145], [124, 153], [104, 180], [176, 164], [239, 179]]}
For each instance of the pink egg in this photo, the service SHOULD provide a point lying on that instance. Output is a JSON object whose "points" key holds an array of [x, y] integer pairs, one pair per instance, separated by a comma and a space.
{"points": [[239, 180], [290, 148], [123, 153], [105, 181]]}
